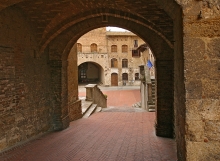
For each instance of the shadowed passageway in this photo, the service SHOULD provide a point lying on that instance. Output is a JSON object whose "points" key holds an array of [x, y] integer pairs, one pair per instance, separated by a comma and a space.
{"points": [[118, 134], [105, 136]]}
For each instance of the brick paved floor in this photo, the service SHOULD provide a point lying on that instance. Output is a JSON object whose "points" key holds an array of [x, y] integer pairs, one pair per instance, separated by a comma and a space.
{"points": [[114, 135], [105, 136]]}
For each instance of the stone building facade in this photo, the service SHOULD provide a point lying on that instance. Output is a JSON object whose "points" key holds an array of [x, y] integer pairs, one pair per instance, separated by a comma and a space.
{"points": [[115, 55], [36, 88]]}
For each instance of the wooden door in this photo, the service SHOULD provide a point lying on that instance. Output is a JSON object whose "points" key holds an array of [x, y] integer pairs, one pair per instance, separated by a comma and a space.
{"points": [[114, 79]]}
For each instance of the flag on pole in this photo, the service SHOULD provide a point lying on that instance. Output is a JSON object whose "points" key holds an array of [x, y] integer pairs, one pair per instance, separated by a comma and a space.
{"points": [[149, 64]]}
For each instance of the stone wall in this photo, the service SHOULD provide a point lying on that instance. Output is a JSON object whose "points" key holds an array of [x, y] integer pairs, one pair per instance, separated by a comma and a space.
{"points": [[201, 28], [202, 79], [25, 102]]}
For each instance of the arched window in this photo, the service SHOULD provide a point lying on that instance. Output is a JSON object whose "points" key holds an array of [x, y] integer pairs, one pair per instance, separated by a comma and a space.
{"points": [[124, 63], [136, 76], [124, 76], [79, 47], [124, 48], [114, 48], [114, 63], [93, 47]]}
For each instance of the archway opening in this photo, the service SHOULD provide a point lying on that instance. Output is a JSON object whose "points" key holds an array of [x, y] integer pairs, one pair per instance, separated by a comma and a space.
{"points": [[61, 30], [90, 73], [114, 53]]}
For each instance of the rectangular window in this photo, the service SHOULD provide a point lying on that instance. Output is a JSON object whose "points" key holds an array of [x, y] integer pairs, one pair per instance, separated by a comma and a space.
{"points": [[135, 43], [136, 76], [114, 48], [124, 63], [135, 53], [124, 48], [124, 76]]}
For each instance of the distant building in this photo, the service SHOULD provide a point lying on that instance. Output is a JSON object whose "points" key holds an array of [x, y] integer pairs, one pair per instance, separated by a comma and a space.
{"points": [[109, 58]]}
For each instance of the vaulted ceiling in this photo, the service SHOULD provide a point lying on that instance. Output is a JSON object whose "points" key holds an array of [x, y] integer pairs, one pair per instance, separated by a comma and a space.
{"points": [[51, 16]]}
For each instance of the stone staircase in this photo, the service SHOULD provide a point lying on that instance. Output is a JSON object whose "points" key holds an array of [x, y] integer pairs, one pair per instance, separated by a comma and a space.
{"points": [[151, 103], [94, 101], [137, 105], [88, 108]]}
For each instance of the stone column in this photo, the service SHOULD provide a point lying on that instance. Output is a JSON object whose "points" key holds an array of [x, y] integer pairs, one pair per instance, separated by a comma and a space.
{"points": [[143, 96], [165, 87], [74, 104], [60, 115]]}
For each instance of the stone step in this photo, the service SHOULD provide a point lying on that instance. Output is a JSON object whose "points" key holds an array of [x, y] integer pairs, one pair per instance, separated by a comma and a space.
{"points": [[98, 109], [152, 79], [90, 111], [85, 106], [151, 103], [137, 105], [151, 108]]}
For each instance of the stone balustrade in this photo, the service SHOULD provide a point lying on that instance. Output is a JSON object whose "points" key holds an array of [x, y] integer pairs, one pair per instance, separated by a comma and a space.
{"points": [[94, 94]]}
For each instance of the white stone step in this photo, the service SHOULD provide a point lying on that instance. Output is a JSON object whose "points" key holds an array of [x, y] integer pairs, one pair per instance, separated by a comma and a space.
{"points": [[151, 110], [85, 106], [90, 111], [98, 109], [137, 105]]}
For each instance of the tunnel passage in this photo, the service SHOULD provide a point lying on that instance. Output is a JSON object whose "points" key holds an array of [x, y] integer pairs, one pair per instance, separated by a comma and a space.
{"points": [[55, 26]]}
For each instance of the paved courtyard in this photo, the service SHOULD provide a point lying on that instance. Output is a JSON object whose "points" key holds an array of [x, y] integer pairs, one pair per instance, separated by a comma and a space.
{"points": [[112, 135]]}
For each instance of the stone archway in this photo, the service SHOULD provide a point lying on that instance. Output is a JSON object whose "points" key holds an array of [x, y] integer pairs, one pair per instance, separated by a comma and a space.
{"points": [[90, 72], [36, 40], [58, 38], [164, 52]]}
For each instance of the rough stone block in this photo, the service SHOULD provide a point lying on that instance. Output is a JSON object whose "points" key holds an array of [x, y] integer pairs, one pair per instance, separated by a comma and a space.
{"points": [[209, 109], [194, 89], [213, 50], [198, 69], [195, 131], [203, 151], [194, 151], [192, 109], [194, 49], [212, 130], [209, 89]]}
